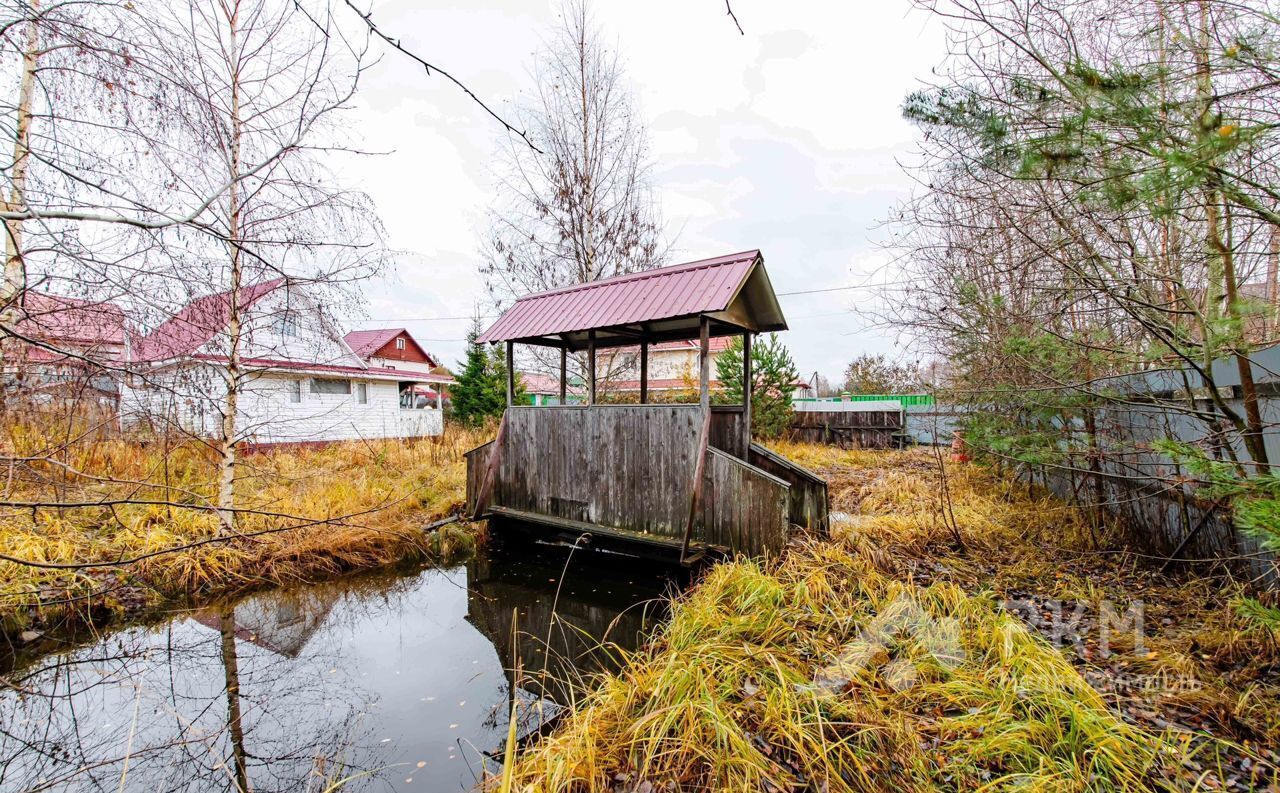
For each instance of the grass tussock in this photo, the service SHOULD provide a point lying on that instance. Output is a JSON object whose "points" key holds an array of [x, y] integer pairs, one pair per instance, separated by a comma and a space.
{"points": [[350, 505], [771, 678], [885, 658]]}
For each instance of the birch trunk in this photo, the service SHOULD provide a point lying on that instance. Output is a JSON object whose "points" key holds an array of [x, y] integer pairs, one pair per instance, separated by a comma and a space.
{"points": [[230, 409], [15, 271]]}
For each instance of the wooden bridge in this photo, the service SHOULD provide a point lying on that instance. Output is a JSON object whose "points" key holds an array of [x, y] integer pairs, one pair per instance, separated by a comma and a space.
{"points": [[687, 478]]}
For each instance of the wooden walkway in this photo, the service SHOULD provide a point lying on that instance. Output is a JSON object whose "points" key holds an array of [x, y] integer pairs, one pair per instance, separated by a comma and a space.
{"points": [[670, 476]]}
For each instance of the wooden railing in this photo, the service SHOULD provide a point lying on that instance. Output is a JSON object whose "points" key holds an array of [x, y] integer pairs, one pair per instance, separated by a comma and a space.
{"points": [[744, 508], [807, 503], [619, 466], [651, 472]]}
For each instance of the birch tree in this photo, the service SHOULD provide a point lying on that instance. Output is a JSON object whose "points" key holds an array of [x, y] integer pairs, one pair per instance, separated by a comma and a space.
{"points": [[577, 204], [264, 86]]}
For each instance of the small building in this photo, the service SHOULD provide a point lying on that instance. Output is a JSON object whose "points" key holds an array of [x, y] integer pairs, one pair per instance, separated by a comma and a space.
{"points": [[542, 389], [65, 348], [395, 349], [300, 381], [685, 478]]}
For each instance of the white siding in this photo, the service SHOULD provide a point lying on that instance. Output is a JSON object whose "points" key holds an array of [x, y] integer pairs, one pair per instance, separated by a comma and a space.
{"points": [[401, 366], [269, 416], [313, 340], [266, 415]]}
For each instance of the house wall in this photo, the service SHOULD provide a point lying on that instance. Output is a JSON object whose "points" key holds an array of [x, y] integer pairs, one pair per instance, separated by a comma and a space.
{"points": [[663, 364], [422, 367], [412, 357], [188, 398], [310, 338]]}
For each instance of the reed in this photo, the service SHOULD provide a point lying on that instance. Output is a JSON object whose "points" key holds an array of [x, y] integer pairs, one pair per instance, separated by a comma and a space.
{"points": [[768, 677]]}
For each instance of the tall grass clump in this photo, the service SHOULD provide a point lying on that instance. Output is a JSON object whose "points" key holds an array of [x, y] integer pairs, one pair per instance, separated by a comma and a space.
{"points": [[822, 673]]}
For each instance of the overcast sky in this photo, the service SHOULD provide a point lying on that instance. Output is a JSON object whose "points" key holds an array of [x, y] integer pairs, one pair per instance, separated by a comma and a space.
{"points": [[787, 139]]}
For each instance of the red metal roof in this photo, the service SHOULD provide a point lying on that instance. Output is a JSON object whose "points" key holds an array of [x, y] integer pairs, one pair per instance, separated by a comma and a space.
{"points": [[53, 318], [197, 323], [681, 290], [365, 343]]}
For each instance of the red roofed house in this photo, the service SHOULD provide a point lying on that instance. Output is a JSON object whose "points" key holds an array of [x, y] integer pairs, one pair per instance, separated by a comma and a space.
{"points": [[301, 380], [65, 346], [395, 348]]}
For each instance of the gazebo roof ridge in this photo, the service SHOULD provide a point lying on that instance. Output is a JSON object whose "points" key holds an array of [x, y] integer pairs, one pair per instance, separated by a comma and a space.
{"points": [[652, 272], [732, 291]]}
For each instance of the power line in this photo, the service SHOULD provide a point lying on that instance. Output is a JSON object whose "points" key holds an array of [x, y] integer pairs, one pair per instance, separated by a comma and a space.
{"points": [[495, 316]]}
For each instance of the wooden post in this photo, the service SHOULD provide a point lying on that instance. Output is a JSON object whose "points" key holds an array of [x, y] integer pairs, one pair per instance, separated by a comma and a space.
{"points": [[644, 372], [564, 373], [591, 367], [511, 373], [439, 396], [704, 363], [747, 382]]}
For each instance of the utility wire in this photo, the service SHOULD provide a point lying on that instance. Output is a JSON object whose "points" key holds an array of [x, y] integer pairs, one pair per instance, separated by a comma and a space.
{"points": [[495, 316]]}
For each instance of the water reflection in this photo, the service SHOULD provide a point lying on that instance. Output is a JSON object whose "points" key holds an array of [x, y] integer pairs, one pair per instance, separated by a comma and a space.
{"points": [[392, 682]]}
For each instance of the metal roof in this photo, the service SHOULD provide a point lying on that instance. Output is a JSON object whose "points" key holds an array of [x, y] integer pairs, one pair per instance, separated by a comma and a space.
{"points": [[662, 304]]}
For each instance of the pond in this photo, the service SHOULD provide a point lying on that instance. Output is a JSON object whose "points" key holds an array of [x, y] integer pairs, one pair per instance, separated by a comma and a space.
{"points": [[397, 681]]}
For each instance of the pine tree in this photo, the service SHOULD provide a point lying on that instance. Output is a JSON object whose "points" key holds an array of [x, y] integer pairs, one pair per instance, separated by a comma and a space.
{"points": [[478, 393], [773, 375]]}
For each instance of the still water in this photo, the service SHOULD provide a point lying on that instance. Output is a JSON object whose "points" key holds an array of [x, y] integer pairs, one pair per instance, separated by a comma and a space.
{"points": [[399, 681]]}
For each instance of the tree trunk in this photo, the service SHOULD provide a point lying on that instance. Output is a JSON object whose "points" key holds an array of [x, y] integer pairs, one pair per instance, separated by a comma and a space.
{"points": [[15, 270], [231, 677], [231, 402]]}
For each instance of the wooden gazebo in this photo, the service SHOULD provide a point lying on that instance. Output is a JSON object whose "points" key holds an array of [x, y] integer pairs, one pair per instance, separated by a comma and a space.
{"points": [[685, 477]]}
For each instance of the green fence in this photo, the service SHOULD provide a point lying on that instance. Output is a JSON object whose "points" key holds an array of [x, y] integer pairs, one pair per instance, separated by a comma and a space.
{"points": [[906, 400]]}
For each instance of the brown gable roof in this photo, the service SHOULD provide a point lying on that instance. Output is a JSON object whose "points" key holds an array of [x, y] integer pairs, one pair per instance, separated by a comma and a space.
{"points": [[366, 343]]}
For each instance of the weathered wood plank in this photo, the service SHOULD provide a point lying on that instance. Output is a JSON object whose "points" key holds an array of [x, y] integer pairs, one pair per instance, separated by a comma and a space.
{"points": [[748, 513], [807, 503], [633, 468], [871, 429]]}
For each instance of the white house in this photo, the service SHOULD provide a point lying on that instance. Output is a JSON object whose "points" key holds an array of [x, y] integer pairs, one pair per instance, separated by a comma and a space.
{"points": [[64, 348], [300, 380], [396, 349]]}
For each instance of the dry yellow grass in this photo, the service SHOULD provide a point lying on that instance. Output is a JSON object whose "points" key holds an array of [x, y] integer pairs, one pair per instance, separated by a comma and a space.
{"points": [[725, 696], [353, 505]]}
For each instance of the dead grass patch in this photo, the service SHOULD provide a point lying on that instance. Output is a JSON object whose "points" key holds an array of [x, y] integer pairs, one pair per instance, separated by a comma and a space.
{"points": [[354, 505], [725, 697]]}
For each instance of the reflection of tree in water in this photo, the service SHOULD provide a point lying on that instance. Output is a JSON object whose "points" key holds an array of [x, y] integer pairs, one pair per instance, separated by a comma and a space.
{"points": [[284, 690], [212, 703]]}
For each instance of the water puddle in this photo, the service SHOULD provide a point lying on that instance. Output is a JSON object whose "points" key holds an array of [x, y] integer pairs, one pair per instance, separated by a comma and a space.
{"points": [[396, 681]]}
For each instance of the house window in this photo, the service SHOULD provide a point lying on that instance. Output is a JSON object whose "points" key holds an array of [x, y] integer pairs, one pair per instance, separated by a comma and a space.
{"points": [[287, 325], [400, 343], [326, 385], [362, 393], [294, 388]]}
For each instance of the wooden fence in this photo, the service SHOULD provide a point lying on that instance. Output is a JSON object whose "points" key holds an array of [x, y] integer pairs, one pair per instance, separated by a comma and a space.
{"points": [[849, 429]]}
